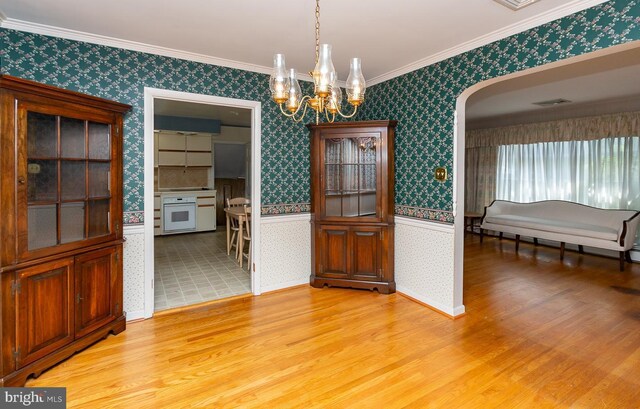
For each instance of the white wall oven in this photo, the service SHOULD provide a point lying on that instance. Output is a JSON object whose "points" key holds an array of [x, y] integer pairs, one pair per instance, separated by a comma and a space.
{"points": [[179, 214]]}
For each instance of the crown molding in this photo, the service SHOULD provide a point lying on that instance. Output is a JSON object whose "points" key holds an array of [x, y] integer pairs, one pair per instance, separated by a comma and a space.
{"points": [[52, 31], [551, 15]]}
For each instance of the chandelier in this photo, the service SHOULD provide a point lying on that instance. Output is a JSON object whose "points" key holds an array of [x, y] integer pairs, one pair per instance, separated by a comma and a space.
{"points": [[327, 95]]}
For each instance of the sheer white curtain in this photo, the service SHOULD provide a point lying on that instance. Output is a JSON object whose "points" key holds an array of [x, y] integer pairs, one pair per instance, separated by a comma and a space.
{"points": [[602, 173]]}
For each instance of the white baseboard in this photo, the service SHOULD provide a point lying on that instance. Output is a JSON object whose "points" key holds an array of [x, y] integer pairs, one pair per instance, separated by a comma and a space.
{"points": [[451, 311], [284, 218], [286, 284], [135, 315], [133, 229]]}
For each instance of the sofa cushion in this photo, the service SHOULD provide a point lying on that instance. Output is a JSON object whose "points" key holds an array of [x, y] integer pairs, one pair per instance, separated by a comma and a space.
{"points": [[557, 226]]}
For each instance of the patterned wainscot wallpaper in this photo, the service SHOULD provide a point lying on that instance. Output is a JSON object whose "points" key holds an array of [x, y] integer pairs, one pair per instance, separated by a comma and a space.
{"points": [[422, 101]]}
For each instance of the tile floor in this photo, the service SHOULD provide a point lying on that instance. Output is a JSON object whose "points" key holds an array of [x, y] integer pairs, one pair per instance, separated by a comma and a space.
{"points": [[194, 267]]}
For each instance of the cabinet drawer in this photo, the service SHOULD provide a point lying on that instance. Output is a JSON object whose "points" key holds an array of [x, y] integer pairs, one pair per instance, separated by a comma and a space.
{"points": [[206, 200]]}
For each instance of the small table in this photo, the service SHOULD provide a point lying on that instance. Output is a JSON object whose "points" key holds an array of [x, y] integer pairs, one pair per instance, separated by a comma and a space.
{"points": [[470, 219], [237, 213]]}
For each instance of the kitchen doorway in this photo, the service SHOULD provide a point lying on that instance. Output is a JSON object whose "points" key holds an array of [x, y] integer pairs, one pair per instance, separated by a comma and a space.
{"points": [[199, 151]]}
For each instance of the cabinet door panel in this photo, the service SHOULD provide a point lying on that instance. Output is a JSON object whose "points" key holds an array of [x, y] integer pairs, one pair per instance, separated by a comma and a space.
{"points": [[206, 213], [366, 253], [95, 277], [200, 143], [171, 158], [199, 159], [171, 141], [44, 310], [334, 251]]}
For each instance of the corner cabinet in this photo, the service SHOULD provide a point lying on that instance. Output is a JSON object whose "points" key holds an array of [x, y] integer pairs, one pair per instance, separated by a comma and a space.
{"points": [[60, 225], [352, 205]]}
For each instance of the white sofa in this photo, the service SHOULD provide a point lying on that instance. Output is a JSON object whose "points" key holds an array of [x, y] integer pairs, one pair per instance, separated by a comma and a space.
{"points": [[566, 222]]}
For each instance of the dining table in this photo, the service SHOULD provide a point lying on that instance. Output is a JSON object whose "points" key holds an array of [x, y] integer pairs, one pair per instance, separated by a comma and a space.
{"points": [[236, 212]]}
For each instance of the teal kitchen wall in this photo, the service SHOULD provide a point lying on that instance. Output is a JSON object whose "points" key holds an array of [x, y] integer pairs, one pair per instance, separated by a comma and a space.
{"points": [[121, 75], [424, 101]]}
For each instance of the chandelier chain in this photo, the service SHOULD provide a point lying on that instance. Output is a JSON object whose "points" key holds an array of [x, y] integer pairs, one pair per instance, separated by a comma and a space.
{"points": [[317, 30]]}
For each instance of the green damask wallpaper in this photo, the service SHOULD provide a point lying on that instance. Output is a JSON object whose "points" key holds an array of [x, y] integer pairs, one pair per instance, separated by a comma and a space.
{"points": [[121, 75], [423, 101]]}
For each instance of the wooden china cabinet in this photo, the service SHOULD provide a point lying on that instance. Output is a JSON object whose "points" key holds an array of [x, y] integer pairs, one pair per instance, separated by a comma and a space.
{"points": [[60, 225], [352, 205]]}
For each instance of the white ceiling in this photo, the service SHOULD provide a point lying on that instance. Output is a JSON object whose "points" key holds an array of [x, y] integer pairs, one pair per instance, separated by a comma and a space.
{"points": [[391, 37], [601, 85], [230, 116]]}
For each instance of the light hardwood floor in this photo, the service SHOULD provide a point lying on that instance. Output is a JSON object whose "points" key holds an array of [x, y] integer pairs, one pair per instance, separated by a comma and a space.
{"points": [[537, 334]]}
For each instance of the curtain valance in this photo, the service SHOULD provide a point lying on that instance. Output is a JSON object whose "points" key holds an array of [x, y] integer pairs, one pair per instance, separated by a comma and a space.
{"points": [[574, 129]]}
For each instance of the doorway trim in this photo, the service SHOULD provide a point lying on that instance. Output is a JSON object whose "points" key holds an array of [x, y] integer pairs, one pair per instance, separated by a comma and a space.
{"points": [[459, 153], [150, 94]]}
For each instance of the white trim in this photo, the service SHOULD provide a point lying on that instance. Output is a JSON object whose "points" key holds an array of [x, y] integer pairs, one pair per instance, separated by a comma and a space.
{"points": [[135, 315], [287, 284], [256, 131], [133, 229], [532, 22], [424, 224], [452, 311], [36, 28], [284, 218], [3, 17]]}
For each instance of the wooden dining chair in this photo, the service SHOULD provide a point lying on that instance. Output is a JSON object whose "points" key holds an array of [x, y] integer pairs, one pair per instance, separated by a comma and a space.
{"points": [[246, 237], [235, 227]]}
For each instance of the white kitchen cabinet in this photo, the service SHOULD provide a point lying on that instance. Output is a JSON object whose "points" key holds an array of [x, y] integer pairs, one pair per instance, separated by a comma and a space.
{"points": [[177, 149], [206, 212], [157, 214]]}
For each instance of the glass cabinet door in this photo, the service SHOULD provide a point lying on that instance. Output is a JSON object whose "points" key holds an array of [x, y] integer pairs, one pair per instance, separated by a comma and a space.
{"points": [[350, 176], [68, 179]]}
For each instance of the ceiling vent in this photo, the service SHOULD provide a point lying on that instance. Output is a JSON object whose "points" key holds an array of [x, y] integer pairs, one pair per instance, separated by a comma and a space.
{"points": [[516, 4], [552, 102]]}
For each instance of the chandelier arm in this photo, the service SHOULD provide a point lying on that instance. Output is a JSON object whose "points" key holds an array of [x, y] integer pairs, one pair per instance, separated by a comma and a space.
{"points": [[291, 115], [333, 116], [288, 115], [351, 115], [304, 111]]}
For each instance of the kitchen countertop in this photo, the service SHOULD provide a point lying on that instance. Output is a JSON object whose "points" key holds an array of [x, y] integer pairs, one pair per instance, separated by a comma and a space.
{"points": [[184, 191]]}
